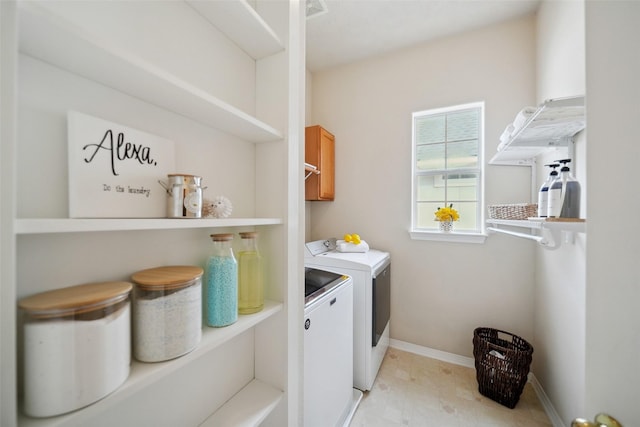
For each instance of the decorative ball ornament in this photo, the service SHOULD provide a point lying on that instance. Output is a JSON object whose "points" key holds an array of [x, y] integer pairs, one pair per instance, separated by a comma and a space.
{"points": [[220, 207]]}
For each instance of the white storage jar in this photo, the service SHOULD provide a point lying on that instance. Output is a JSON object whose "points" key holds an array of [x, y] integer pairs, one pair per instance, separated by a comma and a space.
{"points": [[167, 312], [77, 346]]}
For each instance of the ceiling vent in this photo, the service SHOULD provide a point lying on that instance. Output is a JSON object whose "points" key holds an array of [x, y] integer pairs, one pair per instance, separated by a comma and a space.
{"points": [[316, 8]]}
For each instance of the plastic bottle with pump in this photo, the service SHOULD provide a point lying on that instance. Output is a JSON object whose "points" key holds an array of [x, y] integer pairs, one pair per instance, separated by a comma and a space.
{"points": [[564, 195], [543, 194]]}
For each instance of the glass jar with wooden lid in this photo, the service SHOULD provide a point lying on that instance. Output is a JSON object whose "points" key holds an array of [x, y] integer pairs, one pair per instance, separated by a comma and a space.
{"points": [[167, 312], [77, 346]]}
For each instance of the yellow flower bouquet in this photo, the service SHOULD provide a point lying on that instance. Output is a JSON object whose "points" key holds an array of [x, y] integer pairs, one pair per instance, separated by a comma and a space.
{"points": [[447, 214]]}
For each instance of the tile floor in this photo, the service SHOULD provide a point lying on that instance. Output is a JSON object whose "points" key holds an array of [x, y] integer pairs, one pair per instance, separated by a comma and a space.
{"points": [[412, 390]]}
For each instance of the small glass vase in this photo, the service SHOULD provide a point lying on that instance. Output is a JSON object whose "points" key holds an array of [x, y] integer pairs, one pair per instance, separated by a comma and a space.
{"points": [[446, 226]]}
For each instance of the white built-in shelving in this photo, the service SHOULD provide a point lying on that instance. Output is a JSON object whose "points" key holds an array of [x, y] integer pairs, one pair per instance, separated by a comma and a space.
{"points": [[553, 125], [61, 43], [248, 408], [144, 375], [242, 24], [54, 40], [76, 225]]}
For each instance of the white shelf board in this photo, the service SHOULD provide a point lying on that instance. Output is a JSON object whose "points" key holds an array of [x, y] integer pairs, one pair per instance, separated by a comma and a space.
{"points": [[578, 226], [553, 125], [242, 24], [72, 225], [65, 45], [517, 157], [146, 374], [248, 408]]}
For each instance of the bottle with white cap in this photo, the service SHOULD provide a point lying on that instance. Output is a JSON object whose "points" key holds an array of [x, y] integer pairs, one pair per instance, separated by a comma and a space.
{"points": [[564, 195], [543, 194]]}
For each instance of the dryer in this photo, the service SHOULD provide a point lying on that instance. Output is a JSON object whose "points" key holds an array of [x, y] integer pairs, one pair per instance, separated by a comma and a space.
{"points": [[371, 275]]}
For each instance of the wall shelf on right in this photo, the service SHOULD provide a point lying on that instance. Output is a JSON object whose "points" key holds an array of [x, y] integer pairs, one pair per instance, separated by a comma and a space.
{"points": [[310, 169], [551, 126], [548, 232]]}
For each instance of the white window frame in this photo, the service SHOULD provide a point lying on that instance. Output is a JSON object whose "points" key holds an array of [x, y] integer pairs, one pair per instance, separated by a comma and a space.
{"points": [[477, 236]]}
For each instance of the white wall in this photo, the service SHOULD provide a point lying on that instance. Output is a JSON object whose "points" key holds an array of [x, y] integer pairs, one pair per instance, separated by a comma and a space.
{"points": [[613, 277], [440, 291], [560, 275]]}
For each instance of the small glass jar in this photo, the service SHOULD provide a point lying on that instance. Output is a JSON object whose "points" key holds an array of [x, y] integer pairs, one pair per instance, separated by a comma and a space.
{"points": [[76, 346], [250, 275], [167, 312], [222, 283]]}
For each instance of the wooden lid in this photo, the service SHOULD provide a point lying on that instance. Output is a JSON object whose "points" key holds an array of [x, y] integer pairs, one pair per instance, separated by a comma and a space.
{"points": [[75, 299], [223, 237], [248, 234], [186, 175], [170, 277]]}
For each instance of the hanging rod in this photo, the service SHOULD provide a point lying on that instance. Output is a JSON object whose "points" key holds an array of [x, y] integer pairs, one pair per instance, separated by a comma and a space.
{"points": [[547, 239], [538, 239], [308, 167]]}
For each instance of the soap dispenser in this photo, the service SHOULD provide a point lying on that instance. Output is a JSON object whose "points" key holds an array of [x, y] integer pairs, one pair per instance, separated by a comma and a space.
{"points": [[564, 194], [543, 194]]}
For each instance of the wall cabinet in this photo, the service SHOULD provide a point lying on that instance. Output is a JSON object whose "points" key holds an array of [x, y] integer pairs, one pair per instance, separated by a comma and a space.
{"points": [[320, 151], [58, 56]]}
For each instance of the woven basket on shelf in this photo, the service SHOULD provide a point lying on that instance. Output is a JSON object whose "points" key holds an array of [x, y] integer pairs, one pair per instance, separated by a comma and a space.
{"points": [[502, 364], [513, 211]]}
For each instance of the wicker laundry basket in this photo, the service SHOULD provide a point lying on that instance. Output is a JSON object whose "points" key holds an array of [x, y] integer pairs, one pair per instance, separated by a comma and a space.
{"points": [[513, 211], [502, 364]]}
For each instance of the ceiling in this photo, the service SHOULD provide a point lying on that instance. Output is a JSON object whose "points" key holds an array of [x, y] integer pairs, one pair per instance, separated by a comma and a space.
{"points": [[352, 30]]}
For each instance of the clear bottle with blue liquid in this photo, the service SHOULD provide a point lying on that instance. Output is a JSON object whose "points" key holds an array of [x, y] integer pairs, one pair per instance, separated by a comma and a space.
{"points": [[221, 283]]}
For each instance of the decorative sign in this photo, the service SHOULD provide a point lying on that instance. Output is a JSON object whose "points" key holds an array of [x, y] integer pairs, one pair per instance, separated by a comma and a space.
{"points": [[114, 170]]}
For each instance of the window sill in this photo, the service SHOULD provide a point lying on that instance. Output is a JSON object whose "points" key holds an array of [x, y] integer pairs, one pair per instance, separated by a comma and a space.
{"points": [[454, 236]]}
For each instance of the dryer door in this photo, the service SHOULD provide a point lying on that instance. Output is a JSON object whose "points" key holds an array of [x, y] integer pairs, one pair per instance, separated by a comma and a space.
{"points": [[381, 304]]}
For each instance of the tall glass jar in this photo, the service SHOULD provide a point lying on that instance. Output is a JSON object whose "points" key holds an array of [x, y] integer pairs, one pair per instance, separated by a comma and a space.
{"points": [[222, 283], [250, 275]]}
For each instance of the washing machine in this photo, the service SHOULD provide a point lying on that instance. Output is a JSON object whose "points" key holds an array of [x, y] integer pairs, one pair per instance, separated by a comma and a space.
{"points": [[371, 275], [328, 343]]}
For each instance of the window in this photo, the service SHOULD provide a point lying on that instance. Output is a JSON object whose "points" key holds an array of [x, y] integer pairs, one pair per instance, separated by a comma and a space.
{"points": [[448, 169]]}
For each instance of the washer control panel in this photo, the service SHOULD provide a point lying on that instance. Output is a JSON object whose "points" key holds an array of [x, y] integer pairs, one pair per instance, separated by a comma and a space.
{"points": [[319, 247]]}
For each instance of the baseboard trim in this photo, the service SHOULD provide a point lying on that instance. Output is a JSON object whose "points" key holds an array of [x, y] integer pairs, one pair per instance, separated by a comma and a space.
{"points": [[432, 353], [469, 362], [553, 415]]}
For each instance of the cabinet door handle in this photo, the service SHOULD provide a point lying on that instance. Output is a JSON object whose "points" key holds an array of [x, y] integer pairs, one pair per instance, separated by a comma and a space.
{"points": [[333, 301]]}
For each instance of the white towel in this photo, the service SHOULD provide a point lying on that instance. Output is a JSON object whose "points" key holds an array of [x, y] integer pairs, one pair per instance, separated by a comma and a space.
{"points": [[342, 246], [505, 137], [522, 117]]}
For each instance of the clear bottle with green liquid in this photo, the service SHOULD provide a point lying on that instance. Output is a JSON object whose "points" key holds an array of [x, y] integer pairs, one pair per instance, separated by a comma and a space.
{"points": [[250, 275]]}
